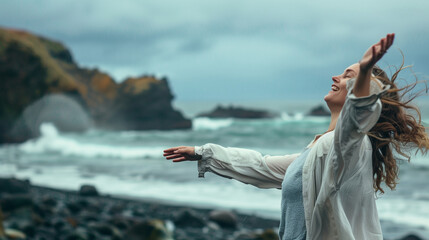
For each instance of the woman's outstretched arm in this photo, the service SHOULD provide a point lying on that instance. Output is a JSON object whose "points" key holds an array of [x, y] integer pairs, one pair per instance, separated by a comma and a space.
{"points": [[359, 114], [369, 59], [245, 165]]}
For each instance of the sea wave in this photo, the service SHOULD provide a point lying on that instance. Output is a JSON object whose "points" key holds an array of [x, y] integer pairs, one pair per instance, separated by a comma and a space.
{"points": [[406, 211], [233, 195], [205, 123], [51, 141], [301, 117], [412, 210]]}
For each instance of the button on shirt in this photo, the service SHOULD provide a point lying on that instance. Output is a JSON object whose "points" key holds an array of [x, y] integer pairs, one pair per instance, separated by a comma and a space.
{"points": [[337, 179]]}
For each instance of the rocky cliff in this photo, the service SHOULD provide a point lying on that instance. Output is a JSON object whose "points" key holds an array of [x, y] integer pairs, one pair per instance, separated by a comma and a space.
{"points": [[33, 67]]}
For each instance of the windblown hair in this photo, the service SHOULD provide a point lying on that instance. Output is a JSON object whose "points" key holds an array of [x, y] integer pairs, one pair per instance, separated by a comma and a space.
{"points": [[397, 131]]}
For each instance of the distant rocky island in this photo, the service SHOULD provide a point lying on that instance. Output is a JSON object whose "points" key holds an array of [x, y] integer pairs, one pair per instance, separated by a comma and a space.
{"points": [[236, 112], [319, 111], [41, 82]]}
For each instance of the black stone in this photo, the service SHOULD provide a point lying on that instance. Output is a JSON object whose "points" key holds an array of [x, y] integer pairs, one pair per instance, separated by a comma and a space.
{"points": [[74, 207], [88, 191], [225, 219], [411, 237], [189, 218], [153, 229], [12, 202], [12, 185], [319, 111], [236, 112]]}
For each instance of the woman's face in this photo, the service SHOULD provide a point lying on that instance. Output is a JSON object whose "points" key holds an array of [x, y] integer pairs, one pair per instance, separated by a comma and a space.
{"points": [[337, 96]]}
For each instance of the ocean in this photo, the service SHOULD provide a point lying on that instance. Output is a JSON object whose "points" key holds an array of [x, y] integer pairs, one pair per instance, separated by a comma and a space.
{"points": [[130, 163]]}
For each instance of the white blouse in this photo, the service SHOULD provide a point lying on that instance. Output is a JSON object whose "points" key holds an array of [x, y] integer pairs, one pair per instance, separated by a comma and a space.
{"points": [[338, 194]]}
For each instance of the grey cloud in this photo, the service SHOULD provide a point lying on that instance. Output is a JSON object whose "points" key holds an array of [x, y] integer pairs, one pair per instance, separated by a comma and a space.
{"points": [[281, 39]]}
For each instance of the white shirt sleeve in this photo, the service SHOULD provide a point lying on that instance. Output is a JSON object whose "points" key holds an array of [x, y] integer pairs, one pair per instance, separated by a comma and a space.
{"points": [[245, 165], [358, 116]]}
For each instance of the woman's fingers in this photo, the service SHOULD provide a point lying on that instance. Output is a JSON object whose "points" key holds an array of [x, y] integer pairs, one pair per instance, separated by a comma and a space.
{"points": [[176, 157], [173, 156], [173, 149], [181, 153], [383, 45], [374, 54], [390, 38], [179, 159], [386, 42]]}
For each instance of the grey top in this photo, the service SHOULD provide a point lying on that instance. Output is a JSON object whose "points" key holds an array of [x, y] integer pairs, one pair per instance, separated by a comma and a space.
{"points": [[292, 222]]}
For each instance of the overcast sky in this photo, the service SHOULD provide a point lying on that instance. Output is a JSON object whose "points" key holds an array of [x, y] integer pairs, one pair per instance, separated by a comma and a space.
{"points": [[229, 50]]}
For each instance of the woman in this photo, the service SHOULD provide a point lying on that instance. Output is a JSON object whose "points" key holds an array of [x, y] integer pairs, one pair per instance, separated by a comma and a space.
{"points": [[328, 189]]}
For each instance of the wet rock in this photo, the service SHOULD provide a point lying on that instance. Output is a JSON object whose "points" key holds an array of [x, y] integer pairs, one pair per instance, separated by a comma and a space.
{"points": [[319, 111], [213, 226], [116, 209], [12, 202], [19, 218], [188, 218], [149, 230], [58, 223], [13, 186], [45, 233], [120, 222], [225, 219], [42, 210], [139, 212], [236, 112], [79, 234], [89, 216], [29, 230], [411, 237], [15, 234], [268, 234], [88, 191], [245, 235], [49, 201], [105, 229], [74, 207]]}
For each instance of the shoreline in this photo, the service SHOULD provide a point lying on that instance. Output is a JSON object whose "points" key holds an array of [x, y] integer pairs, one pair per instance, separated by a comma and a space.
{"points": [[41, 212]]}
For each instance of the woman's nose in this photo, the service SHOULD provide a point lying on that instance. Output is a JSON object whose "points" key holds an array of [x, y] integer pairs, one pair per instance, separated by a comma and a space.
{"points": [[335, 79]]}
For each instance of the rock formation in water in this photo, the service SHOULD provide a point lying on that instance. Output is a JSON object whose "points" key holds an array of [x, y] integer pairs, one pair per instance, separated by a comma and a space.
{"points": [[319, 111], [33, 67], [236, 112]]}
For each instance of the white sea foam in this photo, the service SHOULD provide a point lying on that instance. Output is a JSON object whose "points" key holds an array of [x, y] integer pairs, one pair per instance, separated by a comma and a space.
{"points": [[302, 118], [288, 117], [220, 194], [205, 123], [232, 195], [407, 211], [51, 141]]}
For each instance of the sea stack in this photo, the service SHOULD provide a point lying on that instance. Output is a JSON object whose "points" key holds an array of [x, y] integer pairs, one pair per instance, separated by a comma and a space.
{"points": [[33, 67]]}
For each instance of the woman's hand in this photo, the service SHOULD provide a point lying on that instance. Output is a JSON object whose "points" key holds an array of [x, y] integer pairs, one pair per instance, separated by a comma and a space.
{"points": [[376, 52], [182, 153], [369, 59]]}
